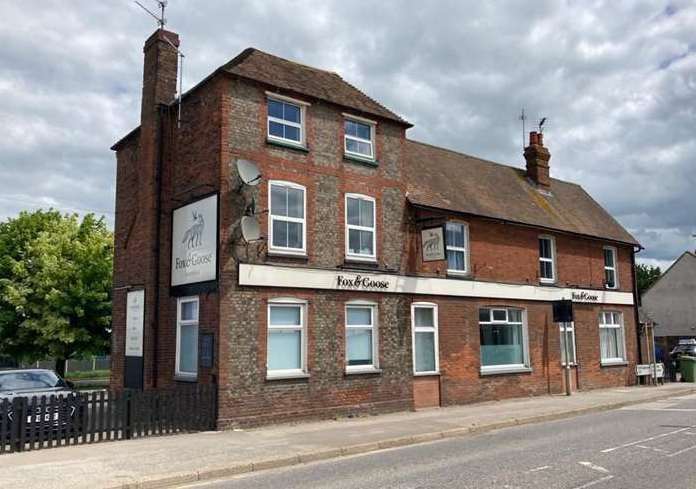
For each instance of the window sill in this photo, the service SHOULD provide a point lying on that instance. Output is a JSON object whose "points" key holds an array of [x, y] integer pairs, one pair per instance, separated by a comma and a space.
{"points": [[505, 370], [287, 145], [458, 274], [185, 378], [547, 282], [426, 374], [363, 371], [287, 254], [360, 261], [614, 363], [286, 376], [357, 159]]}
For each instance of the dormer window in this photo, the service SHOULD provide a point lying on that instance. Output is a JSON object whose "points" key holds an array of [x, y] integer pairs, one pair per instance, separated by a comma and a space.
{"points": [[286, 120], [359, 137]]}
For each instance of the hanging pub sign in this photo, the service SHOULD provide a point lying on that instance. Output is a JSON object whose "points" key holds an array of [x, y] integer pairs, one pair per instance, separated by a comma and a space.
{"points": [[433, 243], [562, 311], [194, 242]]}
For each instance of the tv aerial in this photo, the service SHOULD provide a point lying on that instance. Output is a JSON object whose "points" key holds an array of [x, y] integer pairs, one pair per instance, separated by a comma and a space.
{"points": [[162, 4]]}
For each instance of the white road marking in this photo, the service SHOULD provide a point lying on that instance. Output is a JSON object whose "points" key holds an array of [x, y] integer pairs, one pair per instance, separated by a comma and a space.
{"points": [[592, 466], [607, 450], [653, 448], [681, 451], [538, 469], [590, 484]]}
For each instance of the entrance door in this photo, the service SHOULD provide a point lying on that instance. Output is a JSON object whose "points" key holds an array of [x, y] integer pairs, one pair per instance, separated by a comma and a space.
{"points": [[567, 331]]}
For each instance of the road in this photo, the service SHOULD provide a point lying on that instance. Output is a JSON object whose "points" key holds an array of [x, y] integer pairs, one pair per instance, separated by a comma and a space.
{"points": [[651, 445]]}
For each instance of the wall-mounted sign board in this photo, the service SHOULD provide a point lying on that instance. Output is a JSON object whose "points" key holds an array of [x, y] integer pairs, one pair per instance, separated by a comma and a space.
{"points": [[135, 319], [433, 243], [194, 242]]}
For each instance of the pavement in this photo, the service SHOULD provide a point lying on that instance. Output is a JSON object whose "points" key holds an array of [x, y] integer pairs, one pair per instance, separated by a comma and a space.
{"points": [[173, 461], [644, 446]]}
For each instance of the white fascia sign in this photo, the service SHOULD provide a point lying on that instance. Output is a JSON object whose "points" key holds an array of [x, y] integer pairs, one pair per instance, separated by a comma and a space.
{"points": [[194, 242], [315, 278]]}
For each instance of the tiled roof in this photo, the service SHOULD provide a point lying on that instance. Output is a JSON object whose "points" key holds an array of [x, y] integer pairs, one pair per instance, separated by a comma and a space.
{"points": [[324, 85], [444, 179]]}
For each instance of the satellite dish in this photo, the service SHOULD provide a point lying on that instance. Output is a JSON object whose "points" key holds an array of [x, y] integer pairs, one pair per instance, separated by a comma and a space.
{"points": [[249, 173], [251, 230]]}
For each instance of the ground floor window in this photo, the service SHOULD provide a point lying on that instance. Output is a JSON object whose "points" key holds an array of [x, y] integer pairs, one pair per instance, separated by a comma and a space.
{"points": [[503, 340], [285, 355], [568, 331], [361, 336], [611, 338], [187, 337], [425, 344]]}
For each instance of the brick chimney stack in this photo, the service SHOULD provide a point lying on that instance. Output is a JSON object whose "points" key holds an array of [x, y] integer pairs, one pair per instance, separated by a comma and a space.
{"points": [[159, 72], [538, 157]]}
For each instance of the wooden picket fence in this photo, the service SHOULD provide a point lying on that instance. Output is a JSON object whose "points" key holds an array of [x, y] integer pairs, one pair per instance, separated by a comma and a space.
{"points": [[91, 417]]}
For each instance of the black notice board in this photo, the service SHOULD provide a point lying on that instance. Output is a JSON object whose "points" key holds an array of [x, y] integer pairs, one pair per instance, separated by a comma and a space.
{"points": [[563, 311], [206, 350]]}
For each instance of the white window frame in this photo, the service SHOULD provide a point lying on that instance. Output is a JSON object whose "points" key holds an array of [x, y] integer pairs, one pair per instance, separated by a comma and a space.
{"points": [[464, 249], [356, 256], [603, 325], [371, 141], [510, 368], [374, 367], [615, 268], [272, 218], [562, 331], [189, 322], [290, 373], [425, 329], [552, 260], [301, 105]]}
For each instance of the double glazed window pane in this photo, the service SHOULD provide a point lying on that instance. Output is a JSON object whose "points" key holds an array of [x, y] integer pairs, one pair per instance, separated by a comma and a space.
{"points": [[287, 211], [359, 336], [545, 269], [501, 344], [358, 130], [284, 349], [456, 260], [611, 342], [285, 338], [456, 246], [425, 351], [361, 222], [189, 311], [455, 235], [358, 138], [281, 112], [359, 346], [424, 317], [188, 348]]}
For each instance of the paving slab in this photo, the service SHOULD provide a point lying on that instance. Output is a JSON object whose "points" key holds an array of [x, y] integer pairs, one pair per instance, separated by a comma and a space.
{"points": [[170, 461]]}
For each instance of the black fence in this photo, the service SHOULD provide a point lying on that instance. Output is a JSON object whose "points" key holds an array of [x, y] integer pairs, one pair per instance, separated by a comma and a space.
{"points": [[90, 417]]}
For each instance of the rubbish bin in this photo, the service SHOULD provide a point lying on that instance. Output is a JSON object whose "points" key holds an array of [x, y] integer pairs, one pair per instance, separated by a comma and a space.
{"points": [[687, 367]]}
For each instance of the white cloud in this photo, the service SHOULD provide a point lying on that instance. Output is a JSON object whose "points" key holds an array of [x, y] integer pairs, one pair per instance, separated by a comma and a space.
{"points": [[617, 81]]}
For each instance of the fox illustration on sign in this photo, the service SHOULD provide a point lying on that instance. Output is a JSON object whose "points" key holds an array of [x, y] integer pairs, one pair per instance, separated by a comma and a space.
{"points": [[193, 237]]}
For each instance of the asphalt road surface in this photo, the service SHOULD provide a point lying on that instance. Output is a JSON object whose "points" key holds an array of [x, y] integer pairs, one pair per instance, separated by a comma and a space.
{"points": [[651, 445]]}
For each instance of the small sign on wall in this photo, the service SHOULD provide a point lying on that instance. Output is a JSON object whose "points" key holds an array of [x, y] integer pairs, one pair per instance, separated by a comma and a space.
{"points": [[433, 243], [194, 242], [135, 318], [206, 350]]}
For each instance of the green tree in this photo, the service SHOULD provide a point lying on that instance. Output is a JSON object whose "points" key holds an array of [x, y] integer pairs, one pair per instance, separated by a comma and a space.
{"points": [[646, 276], [55, 286]]}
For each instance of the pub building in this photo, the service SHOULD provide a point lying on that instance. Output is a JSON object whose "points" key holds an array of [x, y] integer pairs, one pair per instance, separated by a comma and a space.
{"points": [[278, 235]]}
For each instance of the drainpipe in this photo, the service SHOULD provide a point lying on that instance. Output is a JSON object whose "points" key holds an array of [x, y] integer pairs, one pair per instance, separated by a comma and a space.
{"points": [[636, 300]]}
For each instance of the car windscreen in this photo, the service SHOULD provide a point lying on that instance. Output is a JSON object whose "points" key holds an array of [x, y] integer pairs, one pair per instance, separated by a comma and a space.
{"points": [[36, 380]]}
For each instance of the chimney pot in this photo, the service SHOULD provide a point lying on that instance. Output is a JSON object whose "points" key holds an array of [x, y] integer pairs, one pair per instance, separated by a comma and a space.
{"points": [[538, 157]]}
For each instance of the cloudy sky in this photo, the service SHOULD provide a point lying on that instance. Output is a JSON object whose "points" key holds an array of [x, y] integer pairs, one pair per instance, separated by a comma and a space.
{"points": [[617, 81]]}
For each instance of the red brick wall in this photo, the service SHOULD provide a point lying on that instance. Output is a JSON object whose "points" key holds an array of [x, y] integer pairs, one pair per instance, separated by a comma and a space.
{"points": [[504, 252]]}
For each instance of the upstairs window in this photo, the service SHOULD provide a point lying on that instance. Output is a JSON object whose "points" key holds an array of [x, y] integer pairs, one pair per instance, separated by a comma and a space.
{"points": [[360, 227], [610, 280], [285, 121], [457, 241], [286, 222], [359, 138], [611, 338], [547, 259]]}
